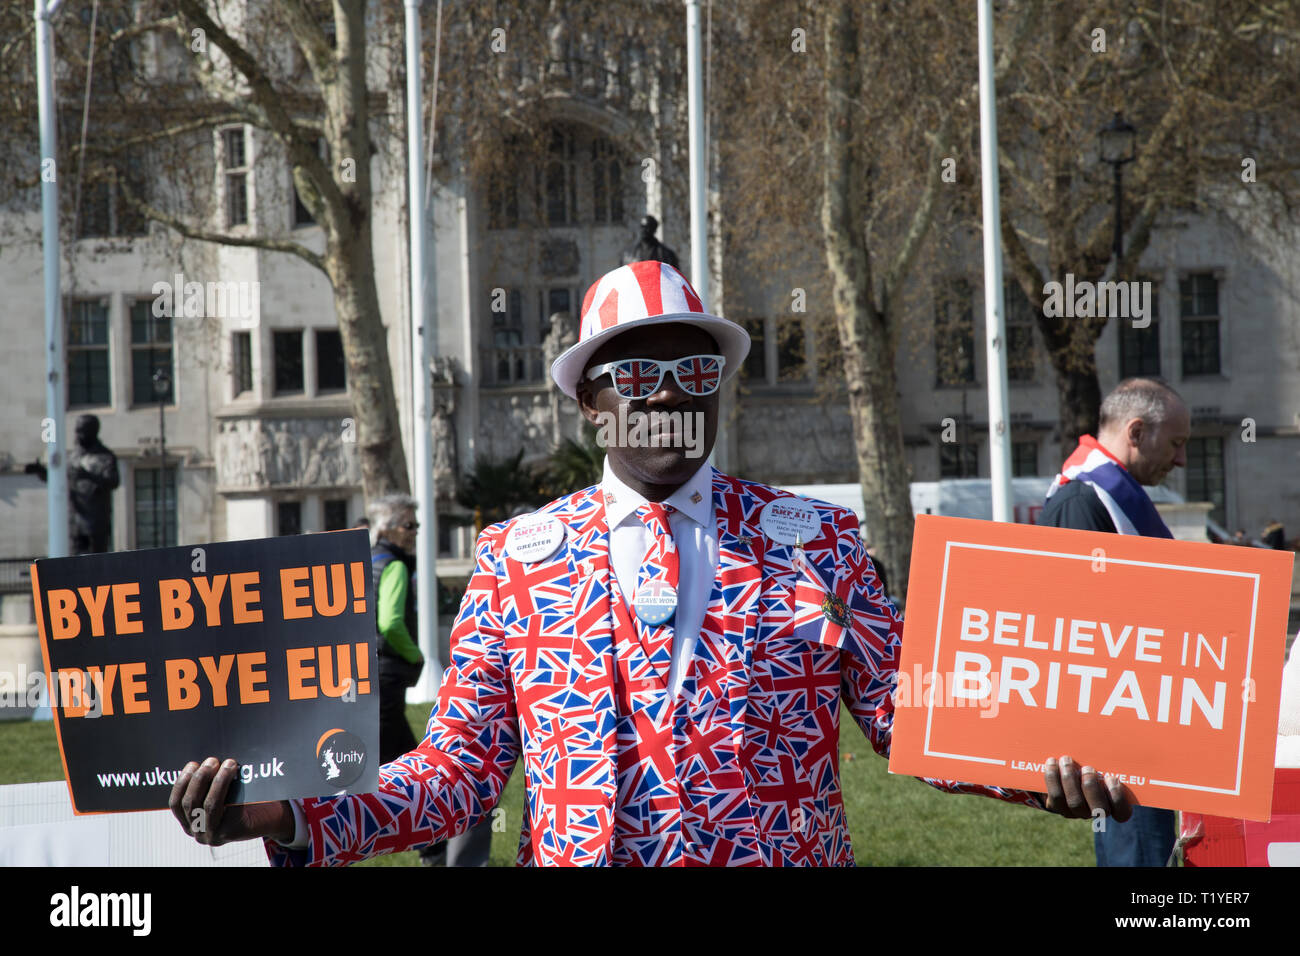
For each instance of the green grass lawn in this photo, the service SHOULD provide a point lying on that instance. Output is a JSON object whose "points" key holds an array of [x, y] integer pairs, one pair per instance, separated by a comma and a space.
{"points": [[895, 821]]}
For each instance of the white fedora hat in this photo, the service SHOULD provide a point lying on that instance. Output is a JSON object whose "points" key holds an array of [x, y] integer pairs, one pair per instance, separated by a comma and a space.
{"points": [[638, 294]]}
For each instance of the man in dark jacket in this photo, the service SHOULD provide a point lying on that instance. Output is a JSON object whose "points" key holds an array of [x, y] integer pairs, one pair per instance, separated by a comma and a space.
{"points": [[1142, 433]]}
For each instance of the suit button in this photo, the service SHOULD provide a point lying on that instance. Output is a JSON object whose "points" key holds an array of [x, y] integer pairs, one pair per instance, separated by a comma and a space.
{"points": [[682, 724]]}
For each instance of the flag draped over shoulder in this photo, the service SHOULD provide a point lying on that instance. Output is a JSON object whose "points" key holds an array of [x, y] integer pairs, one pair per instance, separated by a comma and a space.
{"points": [[1119, 492]]}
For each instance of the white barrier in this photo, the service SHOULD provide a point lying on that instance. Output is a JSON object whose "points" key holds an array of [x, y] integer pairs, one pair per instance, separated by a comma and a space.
{"points": [[38, 828]]}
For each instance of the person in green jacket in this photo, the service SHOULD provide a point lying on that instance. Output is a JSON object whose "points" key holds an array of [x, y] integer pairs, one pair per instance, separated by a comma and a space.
{"points": [[392, 565], [393, 528]]}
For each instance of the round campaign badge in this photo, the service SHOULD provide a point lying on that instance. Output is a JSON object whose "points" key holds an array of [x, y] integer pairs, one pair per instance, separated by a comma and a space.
{"points": [[656, 601], [534, 537], [790, 520]]}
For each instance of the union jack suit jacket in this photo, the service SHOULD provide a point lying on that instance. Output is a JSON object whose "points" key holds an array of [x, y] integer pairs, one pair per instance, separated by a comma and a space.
{"points": [[753, 773]]}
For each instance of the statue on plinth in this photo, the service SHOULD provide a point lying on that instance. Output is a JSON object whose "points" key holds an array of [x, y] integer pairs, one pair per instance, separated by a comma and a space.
{"points": [[647, 247]]}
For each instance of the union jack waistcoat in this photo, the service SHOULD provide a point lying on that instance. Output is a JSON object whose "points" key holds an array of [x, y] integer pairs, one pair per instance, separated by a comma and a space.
{"points": [[752, 775]]}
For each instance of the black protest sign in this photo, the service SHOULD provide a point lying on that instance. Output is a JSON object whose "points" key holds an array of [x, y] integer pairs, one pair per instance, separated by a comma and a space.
{"points": [[259, 650]]}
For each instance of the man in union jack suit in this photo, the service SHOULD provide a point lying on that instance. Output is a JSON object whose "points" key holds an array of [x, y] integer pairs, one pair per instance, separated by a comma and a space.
{"points": [[666, 651]]}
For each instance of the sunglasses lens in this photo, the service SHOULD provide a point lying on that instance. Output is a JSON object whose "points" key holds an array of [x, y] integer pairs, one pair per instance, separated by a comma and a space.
{"points": [[700, 374], [637, 378]]}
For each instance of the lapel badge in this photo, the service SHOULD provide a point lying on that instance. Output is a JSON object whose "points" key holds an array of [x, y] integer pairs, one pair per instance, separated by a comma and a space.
{"points": [[835, 610], [696, 498], [790, 520], [656, 601], [534, 538]]}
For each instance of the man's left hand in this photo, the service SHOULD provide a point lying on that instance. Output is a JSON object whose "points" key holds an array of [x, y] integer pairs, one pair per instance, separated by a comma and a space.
{"points": [[1079, 792]]}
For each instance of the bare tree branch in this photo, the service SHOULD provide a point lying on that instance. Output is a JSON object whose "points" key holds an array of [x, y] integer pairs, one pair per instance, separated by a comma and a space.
{"points": [[312, 42], [116, 146], [919, 227], [270, 104], [222, 238]]}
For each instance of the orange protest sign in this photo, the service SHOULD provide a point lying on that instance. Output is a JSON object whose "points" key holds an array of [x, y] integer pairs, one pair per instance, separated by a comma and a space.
{"points": [[1155, 659]]}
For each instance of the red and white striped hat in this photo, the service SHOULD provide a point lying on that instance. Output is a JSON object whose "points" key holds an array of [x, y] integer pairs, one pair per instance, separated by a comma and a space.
{"points": [[637, 294]]}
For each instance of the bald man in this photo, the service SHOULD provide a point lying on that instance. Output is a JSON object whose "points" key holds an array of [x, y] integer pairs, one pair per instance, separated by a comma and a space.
{"points": [[1141, 438]]}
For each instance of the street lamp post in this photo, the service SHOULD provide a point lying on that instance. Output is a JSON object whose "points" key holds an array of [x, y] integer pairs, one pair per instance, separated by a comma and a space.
{"points": [[162, 384], [1118, 145]]}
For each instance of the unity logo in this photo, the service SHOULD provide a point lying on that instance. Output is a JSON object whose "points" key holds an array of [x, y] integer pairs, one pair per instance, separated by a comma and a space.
{"points": [[341, 757]]}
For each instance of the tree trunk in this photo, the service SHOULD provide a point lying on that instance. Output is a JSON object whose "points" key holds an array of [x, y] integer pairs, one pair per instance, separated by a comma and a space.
{"points": [[350, 262], [1078, 395], [864, 331], [365, 348]]}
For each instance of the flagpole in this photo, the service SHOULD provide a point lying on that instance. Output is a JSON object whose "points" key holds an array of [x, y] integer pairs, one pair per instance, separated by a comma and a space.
{"points": [[994, 306], [57, 545], [698, 176], [422, 334]]}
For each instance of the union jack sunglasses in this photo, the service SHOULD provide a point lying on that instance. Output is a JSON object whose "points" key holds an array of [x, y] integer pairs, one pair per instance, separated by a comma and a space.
{"points": [[641, 378]]}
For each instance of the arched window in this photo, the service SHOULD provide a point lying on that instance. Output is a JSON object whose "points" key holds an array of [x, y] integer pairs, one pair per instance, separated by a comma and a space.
{"points": [[560, 186], [608, 182]]}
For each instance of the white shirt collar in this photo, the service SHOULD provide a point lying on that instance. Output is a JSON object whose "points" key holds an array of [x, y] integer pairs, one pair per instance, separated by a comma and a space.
{"points": [[694, 499]]}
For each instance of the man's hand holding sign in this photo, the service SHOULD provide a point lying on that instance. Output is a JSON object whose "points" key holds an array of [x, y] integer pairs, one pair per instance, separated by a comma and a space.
{"points": [[262, 649], [199, 802], [1157, 661]]}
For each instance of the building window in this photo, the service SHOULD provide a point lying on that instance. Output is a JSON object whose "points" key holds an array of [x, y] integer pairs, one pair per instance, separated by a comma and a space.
{"points": [[559, 193], [336, 514], [791, 350], [507, 319], [331, 370], [958, 460], [151, 350], [1139, 349], [105, 210], [553, 300], [754, 370], [1205, 479], [503, 201], [954, 335], [288, 518], [88, 377], [155, 507], [301, 214], [235, 164], [830, 355], [607, 183], [287, 347], [1020, 334], [241, 356], [1199, 314], [1024, 459]]}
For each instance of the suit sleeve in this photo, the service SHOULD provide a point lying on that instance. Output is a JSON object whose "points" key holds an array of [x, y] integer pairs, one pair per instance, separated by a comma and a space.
{"points": [[454, 778], [869, 669]]}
